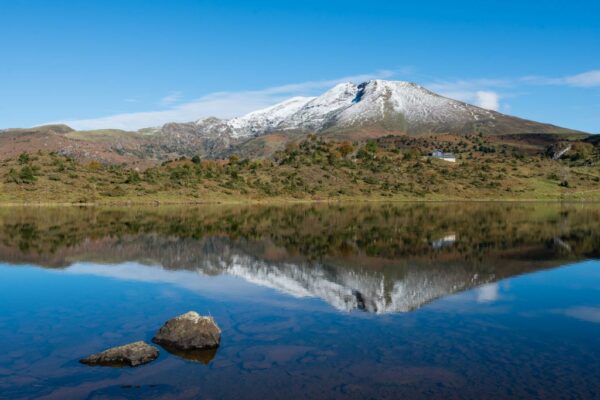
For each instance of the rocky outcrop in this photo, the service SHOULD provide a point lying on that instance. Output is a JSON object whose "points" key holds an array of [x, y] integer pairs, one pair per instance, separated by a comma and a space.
{"points": [[189, 332], [129, 355], [557, 150]]}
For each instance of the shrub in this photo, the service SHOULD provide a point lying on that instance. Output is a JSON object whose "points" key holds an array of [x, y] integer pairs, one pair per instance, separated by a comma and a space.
{"points": [[133, 177], [23, 158], [94, 166], [180, 175], [27, 175], [345, 149], [371, 146]]}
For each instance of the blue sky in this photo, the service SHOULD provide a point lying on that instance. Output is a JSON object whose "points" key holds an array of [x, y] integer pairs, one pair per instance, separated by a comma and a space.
{"points": [[134, 63]]}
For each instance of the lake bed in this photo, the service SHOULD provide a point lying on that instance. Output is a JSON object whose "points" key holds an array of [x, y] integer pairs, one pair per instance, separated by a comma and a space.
{"points": [[459, 301]]}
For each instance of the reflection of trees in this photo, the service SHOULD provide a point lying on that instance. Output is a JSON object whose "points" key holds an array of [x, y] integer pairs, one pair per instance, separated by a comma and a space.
{"points": [[379, 258], [26, 235], [319, 231]]}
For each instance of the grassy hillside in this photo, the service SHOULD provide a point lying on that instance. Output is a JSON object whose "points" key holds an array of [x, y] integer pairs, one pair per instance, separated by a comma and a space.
{"points": [[391, 168]]}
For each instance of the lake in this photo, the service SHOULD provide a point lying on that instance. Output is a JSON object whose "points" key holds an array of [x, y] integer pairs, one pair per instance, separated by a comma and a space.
{"points": [[386, 301]]}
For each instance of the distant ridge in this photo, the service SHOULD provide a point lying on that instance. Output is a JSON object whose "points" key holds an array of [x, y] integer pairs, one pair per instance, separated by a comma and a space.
{"points": [[347, 111]]}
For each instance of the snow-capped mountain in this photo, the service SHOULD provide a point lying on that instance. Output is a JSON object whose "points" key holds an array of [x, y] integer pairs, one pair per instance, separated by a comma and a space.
{"points": [[377, 104], [347, 111]]}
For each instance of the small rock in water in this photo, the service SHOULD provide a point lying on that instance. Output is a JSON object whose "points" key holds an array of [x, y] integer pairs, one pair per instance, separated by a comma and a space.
{"points": [[187, 332], [129, 355]]}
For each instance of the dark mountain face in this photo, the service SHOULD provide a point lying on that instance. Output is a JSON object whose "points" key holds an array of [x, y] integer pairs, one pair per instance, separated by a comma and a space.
{"points": [[594, 139]]}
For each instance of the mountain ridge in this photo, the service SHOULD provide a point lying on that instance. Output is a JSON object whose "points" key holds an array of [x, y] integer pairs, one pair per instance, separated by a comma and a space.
{"points": [[346, 112], [391, 105]]}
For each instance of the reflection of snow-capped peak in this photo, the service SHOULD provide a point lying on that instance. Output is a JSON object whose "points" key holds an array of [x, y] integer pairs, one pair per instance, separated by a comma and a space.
{"points": [[346, 289], [401, 289], [293, 280]]}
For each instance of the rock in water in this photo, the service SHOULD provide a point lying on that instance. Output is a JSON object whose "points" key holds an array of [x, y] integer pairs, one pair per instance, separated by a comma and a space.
{"points": [[188, 332], [129, 355]]}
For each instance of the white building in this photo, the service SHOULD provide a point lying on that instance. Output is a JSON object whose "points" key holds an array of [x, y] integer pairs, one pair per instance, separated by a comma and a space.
{"points": [[445, 241], [450, 157]]}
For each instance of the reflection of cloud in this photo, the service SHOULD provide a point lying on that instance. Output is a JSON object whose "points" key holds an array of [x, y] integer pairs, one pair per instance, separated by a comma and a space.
{"points": [[220, 287], [132, 271], [487, 293], [589, 314]]}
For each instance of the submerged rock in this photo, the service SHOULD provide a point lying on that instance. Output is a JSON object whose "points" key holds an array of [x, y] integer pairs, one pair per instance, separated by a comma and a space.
{"points": [[188, 332], [197, 356], [129, 355]]}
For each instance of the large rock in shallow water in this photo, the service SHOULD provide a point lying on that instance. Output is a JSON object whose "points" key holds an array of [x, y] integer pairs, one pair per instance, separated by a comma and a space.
{"points": [[129, 355], [189, 332]]}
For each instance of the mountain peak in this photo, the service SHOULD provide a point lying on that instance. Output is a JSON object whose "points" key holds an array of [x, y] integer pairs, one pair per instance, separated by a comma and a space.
{"points": [[373, 105]]}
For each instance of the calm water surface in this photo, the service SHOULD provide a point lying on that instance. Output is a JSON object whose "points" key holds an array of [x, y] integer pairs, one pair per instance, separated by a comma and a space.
{"points": [[389, 301]]}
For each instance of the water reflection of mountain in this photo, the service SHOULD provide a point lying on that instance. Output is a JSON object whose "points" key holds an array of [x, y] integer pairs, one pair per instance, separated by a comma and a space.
{"points": [[378, 259]]}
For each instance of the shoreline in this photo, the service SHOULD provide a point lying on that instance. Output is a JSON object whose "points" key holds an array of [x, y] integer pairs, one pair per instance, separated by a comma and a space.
{"points": [[267, 202]]}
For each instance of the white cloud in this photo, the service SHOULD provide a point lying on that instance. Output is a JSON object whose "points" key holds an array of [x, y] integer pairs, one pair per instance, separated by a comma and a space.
{"points": [[224, 105], [474, 91], [487, 93], [468, 85], [308, 87], [171, 98], [220, 104], [586, 79], [488, 99]]}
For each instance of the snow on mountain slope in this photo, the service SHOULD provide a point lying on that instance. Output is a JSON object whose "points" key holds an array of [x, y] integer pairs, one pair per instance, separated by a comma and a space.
{"points": [[378, 105], [379, 99], [267, 119], [319, 112]]}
